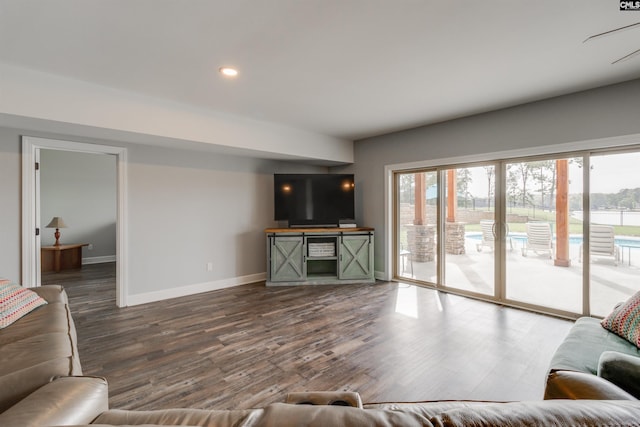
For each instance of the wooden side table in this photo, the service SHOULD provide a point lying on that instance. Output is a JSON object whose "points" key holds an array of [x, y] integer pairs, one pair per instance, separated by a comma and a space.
{"points": [[61, 257]]}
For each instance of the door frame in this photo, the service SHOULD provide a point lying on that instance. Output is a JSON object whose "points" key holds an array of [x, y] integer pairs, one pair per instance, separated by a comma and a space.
{"points": [[31, 147], [500, 158]]}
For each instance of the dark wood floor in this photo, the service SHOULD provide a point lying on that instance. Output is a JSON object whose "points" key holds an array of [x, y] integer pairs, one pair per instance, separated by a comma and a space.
{"points": [[249, 345]]}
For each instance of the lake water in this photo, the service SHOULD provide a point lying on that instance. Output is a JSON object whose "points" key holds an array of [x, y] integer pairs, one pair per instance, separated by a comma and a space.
{"points": [[611, 217]]}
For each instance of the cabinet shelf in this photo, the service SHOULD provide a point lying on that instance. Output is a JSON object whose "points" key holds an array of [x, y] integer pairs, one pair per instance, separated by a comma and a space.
{"points": [[324, 276]]}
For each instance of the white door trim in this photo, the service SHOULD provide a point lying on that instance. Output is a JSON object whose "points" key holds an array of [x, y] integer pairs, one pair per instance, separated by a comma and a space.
{"points": [[30, 220]]}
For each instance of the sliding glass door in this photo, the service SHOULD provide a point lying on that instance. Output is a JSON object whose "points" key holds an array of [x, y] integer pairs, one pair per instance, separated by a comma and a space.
{"points": [[470, 232], [543, 269], [520, 231], [416, 219], [614, 229], [465, 219]]}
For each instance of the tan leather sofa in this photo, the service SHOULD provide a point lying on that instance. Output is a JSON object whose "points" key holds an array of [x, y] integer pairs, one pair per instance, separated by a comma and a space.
{"points": [[37, 347], [57, 407], [38, 359], [41, 385]]}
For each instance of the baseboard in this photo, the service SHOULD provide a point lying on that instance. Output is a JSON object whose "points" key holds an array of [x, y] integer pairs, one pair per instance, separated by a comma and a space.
{"points": [[379, 275], [98, 259], [198, 288]]}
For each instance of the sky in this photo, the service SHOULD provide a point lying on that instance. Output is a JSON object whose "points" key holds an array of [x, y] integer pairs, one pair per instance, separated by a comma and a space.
{"points": [[609, 174]]}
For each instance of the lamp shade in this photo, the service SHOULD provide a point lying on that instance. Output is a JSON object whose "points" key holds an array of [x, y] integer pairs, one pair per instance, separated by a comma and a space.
{"points": [[56, 222]]}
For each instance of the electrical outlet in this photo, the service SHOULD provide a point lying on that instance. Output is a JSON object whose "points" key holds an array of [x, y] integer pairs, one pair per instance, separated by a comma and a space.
{"points": [[210, 266], [90, 247]]}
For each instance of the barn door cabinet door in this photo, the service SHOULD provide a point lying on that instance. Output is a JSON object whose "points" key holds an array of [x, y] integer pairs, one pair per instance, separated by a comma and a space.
{"points": [[356, 256], [287, 258]]}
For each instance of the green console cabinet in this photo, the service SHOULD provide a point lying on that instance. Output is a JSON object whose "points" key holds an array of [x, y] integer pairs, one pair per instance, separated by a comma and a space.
{"points": [[316, 256]]}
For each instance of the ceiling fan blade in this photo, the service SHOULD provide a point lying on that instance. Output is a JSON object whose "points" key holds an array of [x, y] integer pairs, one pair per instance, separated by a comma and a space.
{"points": [[606, 33], [624, 58]]}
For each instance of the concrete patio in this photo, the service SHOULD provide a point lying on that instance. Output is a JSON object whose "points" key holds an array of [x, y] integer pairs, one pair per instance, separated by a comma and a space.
{"points": [[535, 279]]}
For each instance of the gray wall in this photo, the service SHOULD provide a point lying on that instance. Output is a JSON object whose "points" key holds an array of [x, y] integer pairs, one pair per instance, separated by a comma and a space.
{"points": [[185, 209], [11, 211], [600, 113], [188, 208], [80, 188]]}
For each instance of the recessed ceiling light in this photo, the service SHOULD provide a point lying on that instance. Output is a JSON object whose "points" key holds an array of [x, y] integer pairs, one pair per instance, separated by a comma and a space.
{"points": [[228, 71]]}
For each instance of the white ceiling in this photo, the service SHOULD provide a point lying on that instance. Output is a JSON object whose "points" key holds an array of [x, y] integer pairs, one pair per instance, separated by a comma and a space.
{"points": [[343, 68]]}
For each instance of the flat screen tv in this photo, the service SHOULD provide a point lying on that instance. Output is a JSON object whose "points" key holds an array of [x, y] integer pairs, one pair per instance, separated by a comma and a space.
{"points": [[313, 199]]}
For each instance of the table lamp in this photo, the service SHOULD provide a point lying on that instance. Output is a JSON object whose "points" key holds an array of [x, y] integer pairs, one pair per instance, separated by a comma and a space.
{"points": [[57, 223]]}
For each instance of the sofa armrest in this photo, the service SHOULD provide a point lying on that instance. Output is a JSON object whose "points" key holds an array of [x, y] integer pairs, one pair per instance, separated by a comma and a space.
{"points": [[63, 401], [580, 385], [621, 369], [52, 293]]}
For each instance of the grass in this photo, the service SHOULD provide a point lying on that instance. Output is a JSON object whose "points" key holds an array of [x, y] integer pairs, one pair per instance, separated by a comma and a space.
{"points": [[575, 225]]}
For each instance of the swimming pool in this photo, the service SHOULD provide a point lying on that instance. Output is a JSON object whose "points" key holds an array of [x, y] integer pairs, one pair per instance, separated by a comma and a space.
{"points": [[573, 240]]}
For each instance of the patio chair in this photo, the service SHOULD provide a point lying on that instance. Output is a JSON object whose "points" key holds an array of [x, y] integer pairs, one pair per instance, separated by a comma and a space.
{"points": [[488, 238], [602, 243], [404, 255], [539, 238]]}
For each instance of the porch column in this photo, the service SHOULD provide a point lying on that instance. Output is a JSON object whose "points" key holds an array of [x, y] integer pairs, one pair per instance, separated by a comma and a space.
{"points": [[452, 195], [454, 231], [421, 236], [420, 198], [562, 214]]}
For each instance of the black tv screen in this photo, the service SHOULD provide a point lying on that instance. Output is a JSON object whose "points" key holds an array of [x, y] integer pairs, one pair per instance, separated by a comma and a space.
{"points": [[313, 199]]}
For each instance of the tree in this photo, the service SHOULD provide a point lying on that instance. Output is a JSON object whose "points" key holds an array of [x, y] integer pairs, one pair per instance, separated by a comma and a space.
{"points": [[626, 198], [518, 179], [406, 184], [463, 180], [544, 173], [553, 182], [491, 172]]}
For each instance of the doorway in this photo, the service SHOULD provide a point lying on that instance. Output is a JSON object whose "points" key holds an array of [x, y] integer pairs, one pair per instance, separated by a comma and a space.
{"points": [[32, 228]]}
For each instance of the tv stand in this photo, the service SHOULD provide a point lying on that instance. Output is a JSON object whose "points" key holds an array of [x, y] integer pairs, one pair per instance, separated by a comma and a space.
{"points": [[317, 256]]}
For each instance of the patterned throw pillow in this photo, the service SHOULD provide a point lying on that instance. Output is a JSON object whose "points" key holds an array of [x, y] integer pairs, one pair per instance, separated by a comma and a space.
{"points": [[624, 320], [15, 302]]}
